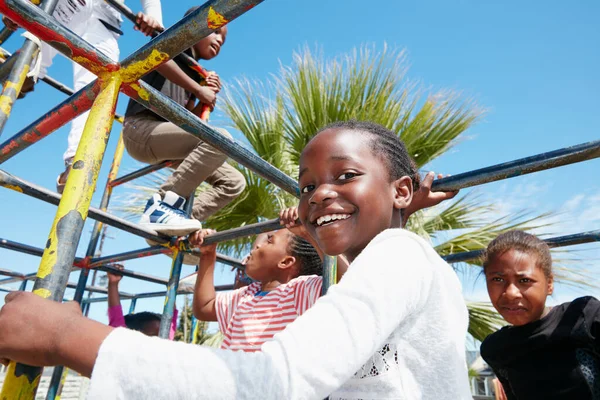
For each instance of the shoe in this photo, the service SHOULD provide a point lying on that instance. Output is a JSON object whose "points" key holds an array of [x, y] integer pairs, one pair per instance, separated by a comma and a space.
{"points": [[61, 181], [166, 216], [188, 258]]}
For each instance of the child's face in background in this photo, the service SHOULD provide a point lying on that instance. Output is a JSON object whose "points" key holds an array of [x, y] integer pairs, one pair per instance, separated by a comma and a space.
{"points": [[518, 287], [266, 254], [340, 176], [210, 46]]}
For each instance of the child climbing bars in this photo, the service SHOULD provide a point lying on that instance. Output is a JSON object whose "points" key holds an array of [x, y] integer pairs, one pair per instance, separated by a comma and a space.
{"points": [[287, 273], [546, 353], [100, 25], [146, 322], [394, 327], [151, 139]]}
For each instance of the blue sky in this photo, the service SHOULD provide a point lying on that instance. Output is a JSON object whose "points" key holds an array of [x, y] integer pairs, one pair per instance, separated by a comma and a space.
{"points": [[532, 65]]}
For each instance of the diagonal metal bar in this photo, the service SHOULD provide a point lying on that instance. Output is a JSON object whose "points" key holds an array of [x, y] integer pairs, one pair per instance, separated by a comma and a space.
{"points": [[177, 114], [57, 117], [522, 166], [47, 28], [5, 33], [183, 35], [140, 172]]}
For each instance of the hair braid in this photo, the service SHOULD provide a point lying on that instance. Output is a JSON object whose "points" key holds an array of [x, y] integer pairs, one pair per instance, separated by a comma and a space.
{"points": [[310, 262]]}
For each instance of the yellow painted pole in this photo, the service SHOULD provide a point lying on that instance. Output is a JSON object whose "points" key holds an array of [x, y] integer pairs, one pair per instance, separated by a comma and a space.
{"points": [[22, 381]]}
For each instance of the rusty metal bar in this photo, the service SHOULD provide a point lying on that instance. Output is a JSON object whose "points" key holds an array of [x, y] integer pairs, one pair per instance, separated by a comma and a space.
{"points": [[65, 233], [5, 34], [177, 114], [57, 117]]}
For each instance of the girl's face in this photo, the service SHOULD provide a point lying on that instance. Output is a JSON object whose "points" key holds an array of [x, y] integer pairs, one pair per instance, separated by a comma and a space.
{"points": [[269, 249], [518, 287], [346, 195], [210, 46]]}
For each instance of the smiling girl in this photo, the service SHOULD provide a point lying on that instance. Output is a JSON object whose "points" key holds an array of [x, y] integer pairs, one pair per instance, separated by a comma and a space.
{"points": [[393, 328], [547, 353]]}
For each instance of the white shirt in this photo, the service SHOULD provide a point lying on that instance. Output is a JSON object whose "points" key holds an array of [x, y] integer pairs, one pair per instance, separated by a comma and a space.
{"points": [[393, 328]]}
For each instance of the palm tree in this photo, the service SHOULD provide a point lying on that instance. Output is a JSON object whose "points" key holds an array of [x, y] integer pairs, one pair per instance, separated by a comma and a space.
{"points": [[278, 117]]}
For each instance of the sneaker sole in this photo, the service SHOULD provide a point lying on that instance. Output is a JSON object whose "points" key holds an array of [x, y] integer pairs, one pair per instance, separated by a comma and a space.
{"points": [[179, 230]]}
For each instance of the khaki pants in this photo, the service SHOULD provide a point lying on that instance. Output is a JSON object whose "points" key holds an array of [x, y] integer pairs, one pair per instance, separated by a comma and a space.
{"points": [[150, 140]]}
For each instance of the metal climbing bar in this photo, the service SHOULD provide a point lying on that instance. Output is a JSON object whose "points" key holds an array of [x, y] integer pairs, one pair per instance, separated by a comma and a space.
{"points": [[5, 33], [57, 117], [12, 182], [149, 295], [179, 115], [559, 241], [140, 172], [522, 166], [55, 265]]}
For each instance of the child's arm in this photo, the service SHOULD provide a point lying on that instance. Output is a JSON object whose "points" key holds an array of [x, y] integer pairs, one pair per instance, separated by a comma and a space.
{"points": [[358, 315], [424, 197], [151, 19], [204, 303], [289, 218], [205, 94], [115, 311]]}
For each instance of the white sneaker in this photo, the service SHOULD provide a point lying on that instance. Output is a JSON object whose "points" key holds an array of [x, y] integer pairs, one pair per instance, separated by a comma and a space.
{"points": [[166, 216], [188, 283]]}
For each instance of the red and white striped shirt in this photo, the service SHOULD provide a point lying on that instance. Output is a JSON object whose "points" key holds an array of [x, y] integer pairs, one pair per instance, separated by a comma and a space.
{"points": [[248, 320]]}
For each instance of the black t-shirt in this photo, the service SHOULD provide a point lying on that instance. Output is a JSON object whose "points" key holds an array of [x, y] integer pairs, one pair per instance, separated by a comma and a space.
{"points": [[159, 82], [557, 357]]}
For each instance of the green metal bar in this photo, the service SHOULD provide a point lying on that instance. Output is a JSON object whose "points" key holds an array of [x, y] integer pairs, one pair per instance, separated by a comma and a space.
{"points": [[329, 273]]}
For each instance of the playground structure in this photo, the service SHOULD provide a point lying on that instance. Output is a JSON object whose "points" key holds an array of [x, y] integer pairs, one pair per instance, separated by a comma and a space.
{"points": [[58, 257]]}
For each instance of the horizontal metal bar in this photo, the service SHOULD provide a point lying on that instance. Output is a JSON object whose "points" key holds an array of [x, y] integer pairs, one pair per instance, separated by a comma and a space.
{"points": [[24, 248], [247, 230], [14, 274], [559, 241], [155, 294], [128, 255], [140, 172], [522, 166], [133, 274], [18, 278], [179, 115], [12, 182]]}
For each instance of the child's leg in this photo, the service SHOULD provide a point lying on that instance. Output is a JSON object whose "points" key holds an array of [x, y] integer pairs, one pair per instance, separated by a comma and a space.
{"points": [[227, 183], [105, 41], [150, 140]]}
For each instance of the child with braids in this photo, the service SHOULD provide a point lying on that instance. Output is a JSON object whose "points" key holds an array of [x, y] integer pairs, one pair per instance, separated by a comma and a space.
{"points": [[286, 270], [545, 353], [394, 327]]}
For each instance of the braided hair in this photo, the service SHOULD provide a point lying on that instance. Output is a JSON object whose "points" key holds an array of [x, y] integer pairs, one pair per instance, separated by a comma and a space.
{"points": [[386, 143], [303, 251], [138, 321]]}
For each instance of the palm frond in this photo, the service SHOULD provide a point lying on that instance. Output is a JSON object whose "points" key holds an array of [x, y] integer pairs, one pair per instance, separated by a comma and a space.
{"points": [[483, 320]]}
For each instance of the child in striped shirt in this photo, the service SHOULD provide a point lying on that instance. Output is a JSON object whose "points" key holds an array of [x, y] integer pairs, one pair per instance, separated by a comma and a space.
{"points": [[287, 272]]}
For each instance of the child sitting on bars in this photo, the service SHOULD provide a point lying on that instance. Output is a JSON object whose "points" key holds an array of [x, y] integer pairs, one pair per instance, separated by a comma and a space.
{"points": [[151, 139], [146, 322], [96, 22]]}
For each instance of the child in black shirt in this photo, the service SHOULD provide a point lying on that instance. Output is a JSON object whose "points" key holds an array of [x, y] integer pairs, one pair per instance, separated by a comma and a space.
{"points": [[547, 353]]}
